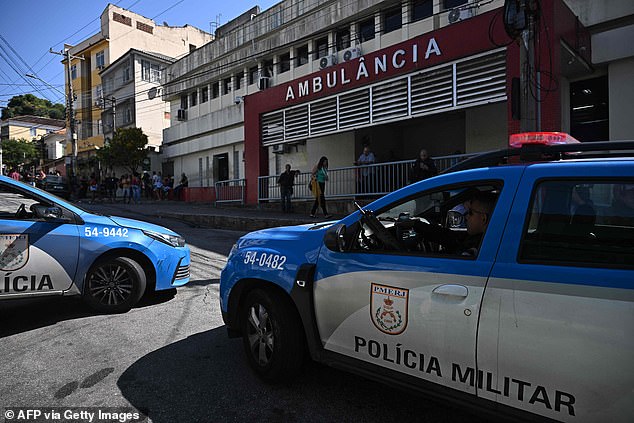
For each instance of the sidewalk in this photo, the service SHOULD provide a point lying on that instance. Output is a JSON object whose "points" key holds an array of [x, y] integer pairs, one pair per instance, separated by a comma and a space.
{"points": [[239, 218]]}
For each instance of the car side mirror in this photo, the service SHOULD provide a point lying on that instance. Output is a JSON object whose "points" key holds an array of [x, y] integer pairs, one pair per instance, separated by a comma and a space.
{"points": [[334, 239]]}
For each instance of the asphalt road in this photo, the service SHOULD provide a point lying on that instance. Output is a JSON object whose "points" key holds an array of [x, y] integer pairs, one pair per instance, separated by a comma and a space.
{"points": [[170, 357]]}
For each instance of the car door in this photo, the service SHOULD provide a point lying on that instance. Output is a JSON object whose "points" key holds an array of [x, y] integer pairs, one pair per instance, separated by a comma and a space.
{"points": [[410, 311], [556, 333], [38, 256]]}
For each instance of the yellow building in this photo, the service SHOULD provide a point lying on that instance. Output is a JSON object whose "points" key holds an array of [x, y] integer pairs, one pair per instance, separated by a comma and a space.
{"points": [[29, 127], [120, 31]]}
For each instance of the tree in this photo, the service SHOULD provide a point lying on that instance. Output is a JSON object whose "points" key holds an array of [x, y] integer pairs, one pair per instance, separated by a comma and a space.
{"points": [[127, 149], [16, 153], [29, 104]]}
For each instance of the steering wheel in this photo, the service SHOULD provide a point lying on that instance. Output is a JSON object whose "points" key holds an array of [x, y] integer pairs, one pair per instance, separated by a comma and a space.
{"points": [[379, 230], [21, 213]]}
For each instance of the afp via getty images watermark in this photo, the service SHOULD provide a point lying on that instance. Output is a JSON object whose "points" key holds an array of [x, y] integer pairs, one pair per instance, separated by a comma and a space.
{"points": [[74, 414]]}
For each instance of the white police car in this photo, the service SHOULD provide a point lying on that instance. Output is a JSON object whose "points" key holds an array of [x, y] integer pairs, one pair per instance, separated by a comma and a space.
{"points": [[529, 309], [51, 247]]}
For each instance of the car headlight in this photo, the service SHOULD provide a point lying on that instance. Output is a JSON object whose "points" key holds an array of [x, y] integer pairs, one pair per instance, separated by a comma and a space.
{"points": [[172, 240]]}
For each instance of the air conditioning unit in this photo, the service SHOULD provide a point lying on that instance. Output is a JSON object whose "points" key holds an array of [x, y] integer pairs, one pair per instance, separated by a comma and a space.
{"points": [[458, 14], [351, 53], [278, 149], [327, 61], [263, 82], [182, 114]]}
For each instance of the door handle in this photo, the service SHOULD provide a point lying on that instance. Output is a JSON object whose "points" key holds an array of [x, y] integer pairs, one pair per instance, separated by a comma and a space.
{"points": [[452, 290]]}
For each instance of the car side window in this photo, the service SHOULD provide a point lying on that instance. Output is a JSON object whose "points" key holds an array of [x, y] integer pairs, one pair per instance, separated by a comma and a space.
{"points": [[589, 223], [15, 204], [449, 221]]}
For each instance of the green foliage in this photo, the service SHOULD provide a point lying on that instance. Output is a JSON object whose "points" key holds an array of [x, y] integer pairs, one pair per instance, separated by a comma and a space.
{"points": [[29, 104], [127, 149], [18, 152]]}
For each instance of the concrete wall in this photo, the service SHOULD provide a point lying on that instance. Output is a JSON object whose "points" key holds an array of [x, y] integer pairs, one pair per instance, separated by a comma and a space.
{"points": [[486, 127], [621, 98], [594, 12]]}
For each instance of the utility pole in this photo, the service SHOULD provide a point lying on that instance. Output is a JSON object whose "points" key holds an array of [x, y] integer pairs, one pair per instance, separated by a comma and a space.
{"points": [[69, 107], [528, 120]]}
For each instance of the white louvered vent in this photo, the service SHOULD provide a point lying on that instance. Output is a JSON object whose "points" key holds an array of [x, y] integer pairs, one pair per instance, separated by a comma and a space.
{"points": [[323, 116], [389, 100], [354, 109], [432, 90], [296, 123], [482, 79], [272, 128]]}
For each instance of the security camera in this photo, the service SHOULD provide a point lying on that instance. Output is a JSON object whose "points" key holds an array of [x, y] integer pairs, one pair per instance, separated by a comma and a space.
{"points": [[237, 100]]}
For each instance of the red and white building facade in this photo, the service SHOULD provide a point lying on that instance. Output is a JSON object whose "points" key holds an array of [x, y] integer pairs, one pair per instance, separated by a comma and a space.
{"points": [[307, 79]]}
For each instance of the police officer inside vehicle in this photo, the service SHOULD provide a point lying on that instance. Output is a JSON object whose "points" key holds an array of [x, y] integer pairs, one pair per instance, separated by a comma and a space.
{"points": [[477, 216]]}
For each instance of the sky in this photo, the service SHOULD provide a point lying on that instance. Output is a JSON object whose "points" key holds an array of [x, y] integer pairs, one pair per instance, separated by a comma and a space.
{"points": [[29, 28]]}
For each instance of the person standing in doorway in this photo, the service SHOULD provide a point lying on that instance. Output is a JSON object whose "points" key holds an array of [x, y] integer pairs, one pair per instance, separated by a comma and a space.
{"points": [[319, 178], [422, 168], [286, 181], [366, 173]]}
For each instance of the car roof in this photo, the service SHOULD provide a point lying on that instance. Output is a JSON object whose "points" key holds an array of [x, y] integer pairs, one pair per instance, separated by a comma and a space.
{"points": [[535, 153]]}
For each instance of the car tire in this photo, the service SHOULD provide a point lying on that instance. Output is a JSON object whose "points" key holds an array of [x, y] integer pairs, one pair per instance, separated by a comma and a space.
{"points": [[114, 285], [273, 337]]}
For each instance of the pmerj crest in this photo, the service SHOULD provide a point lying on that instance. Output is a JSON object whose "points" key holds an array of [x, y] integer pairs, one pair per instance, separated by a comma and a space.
{"points": [[14, 251], [388, 308]]}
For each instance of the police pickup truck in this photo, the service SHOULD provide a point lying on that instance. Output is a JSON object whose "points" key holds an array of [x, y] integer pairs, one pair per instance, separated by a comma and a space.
{"points": [[51, 247], [507, 285]]}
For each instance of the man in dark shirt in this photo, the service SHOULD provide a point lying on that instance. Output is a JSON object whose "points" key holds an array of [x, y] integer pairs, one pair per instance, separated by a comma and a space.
{"points": [[286, 181], [477, 216]]}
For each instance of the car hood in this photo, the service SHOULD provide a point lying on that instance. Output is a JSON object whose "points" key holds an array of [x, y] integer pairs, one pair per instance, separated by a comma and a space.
{"points": [[300, 237], [137, 224]]}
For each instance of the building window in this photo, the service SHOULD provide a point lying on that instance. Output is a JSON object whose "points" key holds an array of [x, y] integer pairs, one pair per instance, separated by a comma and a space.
{"points": [[226, 86], [285, 62], [450, 4], [144, 27], [343, 38], [33, 131], [127, 117], [98, 96], [99, 127], [366, 30], [73, 72], [193, 98], [150, 72], [253, 75], [126, 73], [215, 90], [267, 68], [238, 80], [301, 56], [392, 20], [100, 60], [422, 9], [321, 47], [184, 102], [204, 95]]}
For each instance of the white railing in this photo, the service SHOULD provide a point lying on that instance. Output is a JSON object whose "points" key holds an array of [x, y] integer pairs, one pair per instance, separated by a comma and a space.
{"points": [[355, 181], [230, 191]]}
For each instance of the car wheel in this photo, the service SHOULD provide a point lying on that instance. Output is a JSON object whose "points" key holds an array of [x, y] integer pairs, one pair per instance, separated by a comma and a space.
{"points": [[114, 284], [272, 335]]}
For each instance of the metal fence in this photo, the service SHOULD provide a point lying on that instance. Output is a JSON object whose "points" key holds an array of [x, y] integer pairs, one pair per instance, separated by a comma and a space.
{"points": [[354, 182], [230, 191]]}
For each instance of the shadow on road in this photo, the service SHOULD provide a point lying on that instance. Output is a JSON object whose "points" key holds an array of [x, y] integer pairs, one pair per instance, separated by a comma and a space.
{"points": [[18, 316], [205, 378]]}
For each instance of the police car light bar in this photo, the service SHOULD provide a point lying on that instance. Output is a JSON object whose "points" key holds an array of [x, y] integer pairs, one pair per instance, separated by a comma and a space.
{"points": [[540, 138]]}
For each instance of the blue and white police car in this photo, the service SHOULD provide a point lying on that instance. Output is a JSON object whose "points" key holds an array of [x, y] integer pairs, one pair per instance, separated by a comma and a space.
{"points": [[526, 309], [51, 247]]}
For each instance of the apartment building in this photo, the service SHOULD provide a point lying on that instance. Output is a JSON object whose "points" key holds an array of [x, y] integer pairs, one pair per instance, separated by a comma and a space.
{"points": [[120, 31], [310, 78]]}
